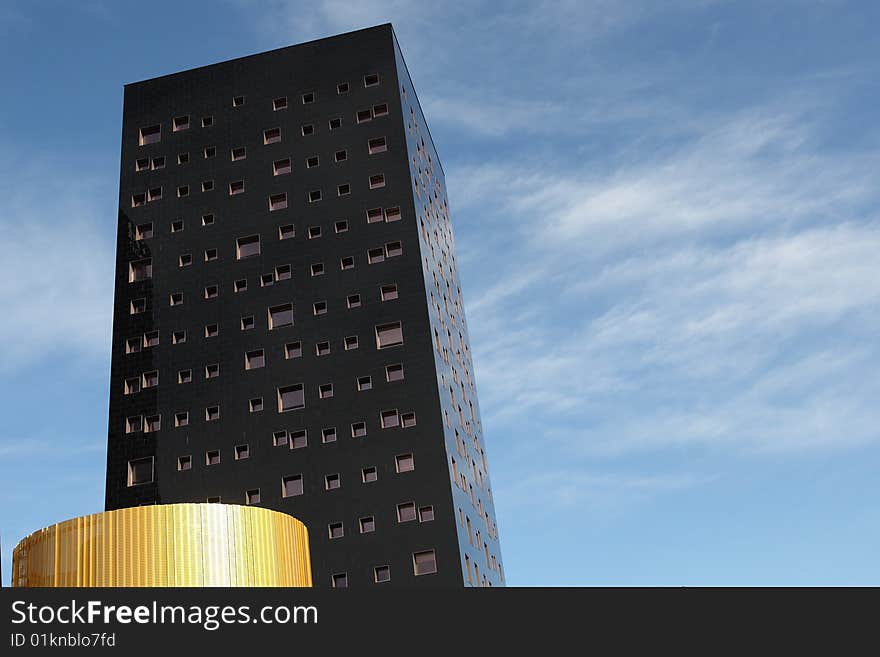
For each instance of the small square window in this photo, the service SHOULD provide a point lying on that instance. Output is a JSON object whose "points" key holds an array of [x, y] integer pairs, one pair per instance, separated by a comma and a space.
{"points": [[328, 435], [245, 247], [150, 135], [247, 323], [340, 156], [238, 153], [210, 151], [389, 419], [367, 524], [151, 339], [332, 482], [184, 376], [176, 299], [158, 162], [342, 88], [183, 158], [424, 563], [406, 512], [317, 269], [393, 249], [212, 292], [314, 196], [242, 452], [237, 101], [279, 103], [377, 145], [212, 371], [325, 391], [240, 285], [293, 350], [137, 200], [282, 273], [281, 167], [143, 231], [364, 383], [236, 187], [212, 331], [353, 301], [374, 215], [142, 164], [207, 220], [212, 457], [207, 185], [407, 420], [180, 123], [178, 337], [292, 486], [404, 463], [277, 202], [392, 214], [371, 79], [255, 405], [267, 279], [351, 342], [380, 110], [335, 530], [322, 348], [212, 413], [150, 379], [382, 574], [299, 439], [319, 308], [140, 270], [291, 398], [375, 256], [279, 438], [280, 316], [426, 513], [308, 98], [210, 255], [254, 359], [177, 226], [339, 581], [364, 115], [343, 190], [335, 123], [369, 475], [272, 136], [132, 385], [346, 263], [181, 419], [133, 345], [207, 121], [388, 292], [389, 335], [140, 471], [312, 162], [307, 129], [134, 424], [152, 423], [358, 429], [341, 226], [286, 232], [184, 463], [377, 181], [314, 232], [253, 496]]}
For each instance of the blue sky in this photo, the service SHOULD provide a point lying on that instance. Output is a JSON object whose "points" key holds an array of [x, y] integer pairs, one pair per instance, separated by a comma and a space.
{"points": [[667, 220]]}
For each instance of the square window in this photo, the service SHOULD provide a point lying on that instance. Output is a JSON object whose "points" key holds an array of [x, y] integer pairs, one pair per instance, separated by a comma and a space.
{"points": [[207, 185], [335, 530], [343, 190], [212, 292], [133, 345], [375, 256], [183, 158], [389, 419], [332, 482], [281, 167], [132, 385], [389, 292], [142, 164], [279, 438], [328, 435], [255, 405], [184, 376], [207, 121], [181, 419], [245, 247], [238, 153], [377, 181], [134, 424], [292, 486], [382, 574], [282, 272], [426, 513], [212, 413], [307, 129], [140, 471], [314, 196], [358, 429], [253, 496], [212, 457], [176, 299], [150, 379], [364, 115], [367, 524], [308, 98], [138, 200], [293, 350], [158, 163], [364, 383], [314, 232], [180, 123], [277, 202], [151, 339], [392, 214], [140, 270], [325, 391], [319, 308], [184, 463], [335, 123], [247, 323], [393, 249], [369, 475], [322, 348], [178, 337], [374, 215], [312, 162], [389, 335], [407, 420], [207, 220], [291, 398], [299, 439], [286, 232], [267, 279], [317, 269], [212, 371], [371, 79], [280, 316], [236, 187], [254, 359], [340, 156], [341, 226], [177, 226], [342, 88], [237, 101], [209, 151], [150, 135], [404, 463], [240, 285], [152, 423], [210, 254], [406, 512], [424, 563], [377, 145], [242, 452], [353, 301], [380, 110], [351, 342], [143, 231], [279, 103], [339, 581], [154, 194], [346, 263]]}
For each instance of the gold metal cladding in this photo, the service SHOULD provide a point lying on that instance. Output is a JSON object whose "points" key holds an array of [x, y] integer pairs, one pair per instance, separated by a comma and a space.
{"points": [[168, 545]]}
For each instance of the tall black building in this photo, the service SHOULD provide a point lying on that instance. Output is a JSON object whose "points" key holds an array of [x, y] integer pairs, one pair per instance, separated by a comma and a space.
{"points": [[288, 324]]}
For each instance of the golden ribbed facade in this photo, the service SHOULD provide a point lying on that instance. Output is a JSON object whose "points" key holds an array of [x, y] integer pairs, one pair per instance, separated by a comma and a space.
{"points": [[168, 545]]}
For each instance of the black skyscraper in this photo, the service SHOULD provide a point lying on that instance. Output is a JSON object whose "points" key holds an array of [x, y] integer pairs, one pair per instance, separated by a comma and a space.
{"points": [[288, 323]]}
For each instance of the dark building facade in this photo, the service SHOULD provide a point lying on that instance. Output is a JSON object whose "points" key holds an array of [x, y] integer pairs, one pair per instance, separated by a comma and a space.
{"points": [[288, 323]]}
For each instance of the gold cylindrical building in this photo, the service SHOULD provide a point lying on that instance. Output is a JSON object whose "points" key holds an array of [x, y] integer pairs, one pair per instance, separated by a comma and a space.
{"points": [[168, 545]]}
